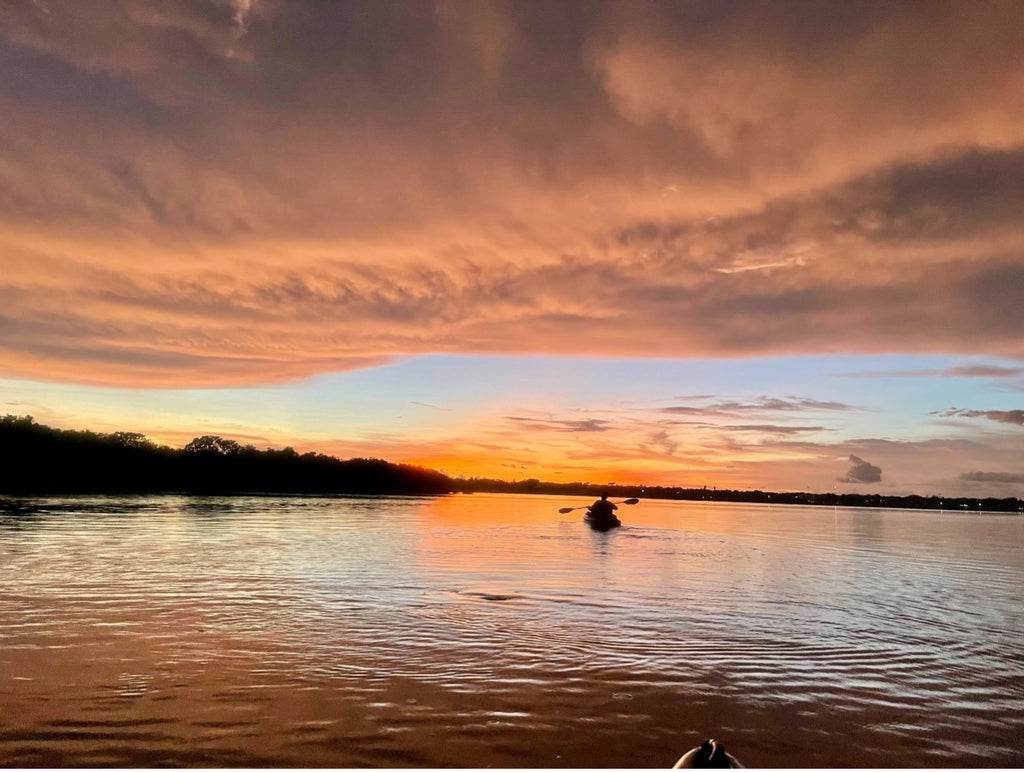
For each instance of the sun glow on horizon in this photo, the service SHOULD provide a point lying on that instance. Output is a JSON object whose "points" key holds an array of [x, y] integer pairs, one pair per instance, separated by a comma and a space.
{"points": [[668, 423], [643, 242]]}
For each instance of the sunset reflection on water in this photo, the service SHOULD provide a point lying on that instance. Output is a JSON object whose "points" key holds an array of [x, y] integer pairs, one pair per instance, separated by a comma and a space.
{"points": [[493, 631]]}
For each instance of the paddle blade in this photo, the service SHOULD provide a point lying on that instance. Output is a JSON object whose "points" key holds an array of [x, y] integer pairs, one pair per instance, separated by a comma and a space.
{"points": [[631, 501], [565, 510]]}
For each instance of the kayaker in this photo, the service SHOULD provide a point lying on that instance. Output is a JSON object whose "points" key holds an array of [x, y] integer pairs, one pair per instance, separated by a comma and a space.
{"points": [[602, 508]]}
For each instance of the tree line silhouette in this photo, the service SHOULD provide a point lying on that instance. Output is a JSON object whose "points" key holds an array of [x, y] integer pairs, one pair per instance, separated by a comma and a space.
{"points": [[39, 459], [676, 493]]}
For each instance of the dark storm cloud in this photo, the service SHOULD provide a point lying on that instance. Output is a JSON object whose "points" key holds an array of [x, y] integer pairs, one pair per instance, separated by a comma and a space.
{"points": [[861, 471]]}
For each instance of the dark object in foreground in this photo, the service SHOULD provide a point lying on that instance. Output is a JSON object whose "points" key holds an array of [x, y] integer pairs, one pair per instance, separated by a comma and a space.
{"points": [[710, 755], [603, 523]]}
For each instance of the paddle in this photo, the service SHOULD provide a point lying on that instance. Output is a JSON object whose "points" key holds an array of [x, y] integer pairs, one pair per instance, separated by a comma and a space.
{"points": [[567, 510]]}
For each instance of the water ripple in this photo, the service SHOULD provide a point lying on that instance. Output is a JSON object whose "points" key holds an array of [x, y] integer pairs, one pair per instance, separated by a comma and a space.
{"points": [[484, 631]]}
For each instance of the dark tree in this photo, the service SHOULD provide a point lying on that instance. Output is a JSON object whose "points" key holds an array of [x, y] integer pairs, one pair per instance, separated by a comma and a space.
{"points": [[39, 459]]}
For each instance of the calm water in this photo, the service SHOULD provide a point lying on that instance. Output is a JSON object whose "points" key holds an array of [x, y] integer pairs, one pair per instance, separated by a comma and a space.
{"points": [[492, 631]]}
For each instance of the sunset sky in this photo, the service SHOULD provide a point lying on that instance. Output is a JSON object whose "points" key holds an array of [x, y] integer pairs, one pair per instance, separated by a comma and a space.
{"points": [[737, 244]]}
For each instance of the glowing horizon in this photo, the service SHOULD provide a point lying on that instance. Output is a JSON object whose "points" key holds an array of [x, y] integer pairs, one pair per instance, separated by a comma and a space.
{"points": [[658, 422], [742, 244]]}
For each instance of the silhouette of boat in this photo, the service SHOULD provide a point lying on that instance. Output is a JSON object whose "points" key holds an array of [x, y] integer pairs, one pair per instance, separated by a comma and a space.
{"points": [[602, 522]]}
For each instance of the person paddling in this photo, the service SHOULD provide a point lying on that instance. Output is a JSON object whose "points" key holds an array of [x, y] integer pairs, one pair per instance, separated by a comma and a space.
{"points": [[602, 508]]}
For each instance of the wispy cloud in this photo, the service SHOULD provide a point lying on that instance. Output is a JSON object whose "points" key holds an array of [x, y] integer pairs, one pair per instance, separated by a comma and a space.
{"points": [[661, 440], [773, 429], [539, 424], [751, 263], [758, 405], [993, 477], [1014, 417], [961, 371]]}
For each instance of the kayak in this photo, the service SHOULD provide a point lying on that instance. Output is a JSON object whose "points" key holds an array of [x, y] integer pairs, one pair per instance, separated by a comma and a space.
{"points": [[605, 523], [709, 754]]}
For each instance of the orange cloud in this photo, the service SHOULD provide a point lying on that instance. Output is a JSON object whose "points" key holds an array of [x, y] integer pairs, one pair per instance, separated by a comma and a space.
{"points": [[237, 193]]}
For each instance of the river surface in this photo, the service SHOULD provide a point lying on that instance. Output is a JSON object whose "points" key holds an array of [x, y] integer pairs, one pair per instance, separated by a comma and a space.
{"points": [[491, 631]]}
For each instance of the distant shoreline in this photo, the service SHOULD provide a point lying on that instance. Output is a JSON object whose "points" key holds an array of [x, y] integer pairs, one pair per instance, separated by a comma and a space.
{"points": [[40, 460], [1010, 506], [788, 498]]}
